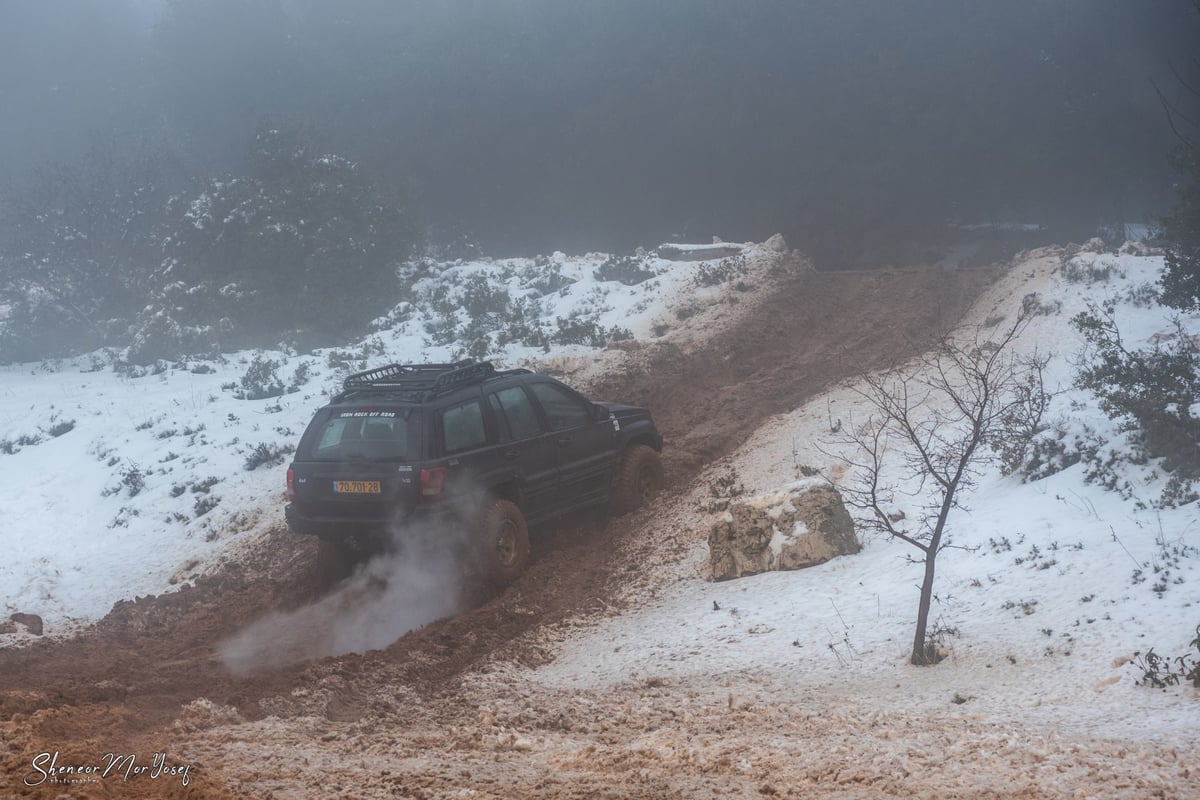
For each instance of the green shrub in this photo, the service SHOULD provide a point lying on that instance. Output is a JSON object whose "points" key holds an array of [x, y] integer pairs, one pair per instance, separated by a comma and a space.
{"points": [[1181, 229], [1077, 270], [261, 380], [264, 454], [546, 279], [81, 247], [1151, 394], [582, 330], [628, 270], [723, 271], [303, 242], [59, 428]]}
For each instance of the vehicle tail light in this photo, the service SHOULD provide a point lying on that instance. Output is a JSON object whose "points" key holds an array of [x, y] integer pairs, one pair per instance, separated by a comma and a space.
{"points": [[291, 483], [433, 483]]}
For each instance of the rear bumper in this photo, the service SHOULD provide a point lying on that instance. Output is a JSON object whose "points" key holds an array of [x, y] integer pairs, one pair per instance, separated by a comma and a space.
{"points": [[328, 527], [360, 528]]}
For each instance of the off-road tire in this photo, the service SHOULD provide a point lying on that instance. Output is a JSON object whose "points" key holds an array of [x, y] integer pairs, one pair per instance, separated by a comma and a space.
{"points": [[639, 479], [501, 544]]}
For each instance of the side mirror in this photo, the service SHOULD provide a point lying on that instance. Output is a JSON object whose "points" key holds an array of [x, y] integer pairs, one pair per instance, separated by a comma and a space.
{"points": [[599, 412]]}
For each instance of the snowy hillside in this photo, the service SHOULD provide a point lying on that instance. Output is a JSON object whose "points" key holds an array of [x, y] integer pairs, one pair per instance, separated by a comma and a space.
{"points": [[123, 481], [120, 483], [1060, 584]]}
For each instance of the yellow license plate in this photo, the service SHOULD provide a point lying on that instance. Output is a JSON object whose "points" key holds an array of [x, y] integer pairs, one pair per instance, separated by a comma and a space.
{"points": [[356, 487]]}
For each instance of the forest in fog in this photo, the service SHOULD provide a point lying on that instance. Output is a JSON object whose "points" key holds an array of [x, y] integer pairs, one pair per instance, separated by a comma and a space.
{"points": [[855, 128]]}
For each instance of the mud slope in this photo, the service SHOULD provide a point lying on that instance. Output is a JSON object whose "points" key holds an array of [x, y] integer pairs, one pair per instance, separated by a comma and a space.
{"points": [[125, 683], [814, 329]]}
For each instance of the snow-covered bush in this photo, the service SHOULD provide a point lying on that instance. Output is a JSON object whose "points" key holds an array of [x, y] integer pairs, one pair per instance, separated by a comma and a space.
{"points": [[266, 454], [629, 270], [545, 279], [1153, 393], [300, 376], [1089, 271], [261, 380], [723, 271], [1181, 229], [82, 240], [578, 329], [158, 334], [303, 242], [1159, 672]]}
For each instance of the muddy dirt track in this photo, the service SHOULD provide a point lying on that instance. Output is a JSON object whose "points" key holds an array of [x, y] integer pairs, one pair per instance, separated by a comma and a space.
{"points": [[147, 679]]}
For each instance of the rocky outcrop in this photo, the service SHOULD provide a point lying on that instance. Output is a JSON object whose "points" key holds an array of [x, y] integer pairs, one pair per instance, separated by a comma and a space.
{"points": [[1135, 248], [804, 525], [776, 244], [19, 622]]}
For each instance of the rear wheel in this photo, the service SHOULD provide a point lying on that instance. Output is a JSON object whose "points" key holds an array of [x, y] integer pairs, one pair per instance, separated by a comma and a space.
{"points": [[639, 479], [502, 543]]}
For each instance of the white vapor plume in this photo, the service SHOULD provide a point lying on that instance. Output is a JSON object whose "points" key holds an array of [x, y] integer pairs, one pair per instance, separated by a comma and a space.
{"points": [[391, 595]]}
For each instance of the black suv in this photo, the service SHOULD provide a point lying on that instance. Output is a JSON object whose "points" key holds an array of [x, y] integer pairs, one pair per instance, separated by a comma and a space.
{"points": [[487, 451]]}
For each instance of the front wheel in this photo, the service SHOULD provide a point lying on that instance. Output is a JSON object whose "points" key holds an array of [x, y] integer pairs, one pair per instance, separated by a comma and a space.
{"points": [[639, 479], [502, 547]]}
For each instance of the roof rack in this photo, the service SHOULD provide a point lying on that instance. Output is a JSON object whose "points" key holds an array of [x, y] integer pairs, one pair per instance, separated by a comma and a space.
{"points": [[424, 380]]}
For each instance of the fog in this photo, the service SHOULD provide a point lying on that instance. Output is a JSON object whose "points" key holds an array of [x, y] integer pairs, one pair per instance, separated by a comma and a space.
{"points": [[532, 125]]}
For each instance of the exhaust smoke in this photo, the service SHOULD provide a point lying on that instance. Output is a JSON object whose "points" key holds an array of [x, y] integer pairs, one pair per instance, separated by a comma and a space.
{"points": [[417, 582]]}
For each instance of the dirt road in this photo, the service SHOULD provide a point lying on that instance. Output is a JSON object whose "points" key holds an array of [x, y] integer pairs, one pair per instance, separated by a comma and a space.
{"points": [[444, 711]]}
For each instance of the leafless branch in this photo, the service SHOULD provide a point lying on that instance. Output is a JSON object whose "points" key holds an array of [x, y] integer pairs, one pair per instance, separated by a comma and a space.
{"points": [[967, 402], [1173, 113], [1183, 81]]}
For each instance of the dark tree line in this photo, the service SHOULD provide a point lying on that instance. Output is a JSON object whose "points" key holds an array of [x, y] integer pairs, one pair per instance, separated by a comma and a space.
{"points": [[537, 124], [531, 125], [1154, 392], [117, 251], [1181, 227], [81, 243]]}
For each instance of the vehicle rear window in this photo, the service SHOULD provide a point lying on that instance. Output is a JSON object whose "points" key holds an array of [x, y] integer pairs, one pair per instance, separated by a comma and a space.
{"points": [[370, 435]]}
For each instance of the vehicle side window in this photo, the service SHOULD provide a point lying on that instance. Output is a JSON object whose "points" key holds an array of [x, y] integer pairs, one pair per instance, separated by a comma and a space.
{"points": [[515, 412], [462, 427], [563, 409], [501, 421]]}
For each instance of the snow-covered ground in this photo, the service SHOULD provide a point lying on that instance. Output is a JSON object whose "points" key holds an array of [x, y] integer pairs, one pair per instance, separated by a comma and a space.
{"points": [[116, 483], [1061, 584]]}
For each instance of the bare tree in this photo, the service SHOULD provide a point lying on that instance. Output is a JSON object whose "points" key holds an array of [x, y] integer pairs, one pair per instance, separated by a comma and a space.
{"points": [[933, 425]]}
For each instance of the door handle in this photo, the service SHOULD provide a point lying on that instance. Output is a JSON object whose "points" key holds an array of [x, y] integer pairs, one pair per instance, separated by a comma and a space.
{"points": [[564, 440], [512, 453]]}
